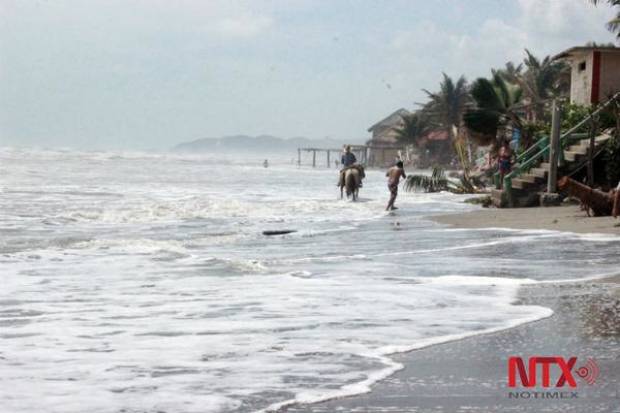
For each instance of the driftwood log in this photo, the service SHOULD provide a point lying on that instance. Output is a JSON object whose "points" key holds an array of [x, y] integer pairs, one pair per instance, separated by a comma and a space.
{"points": [[599, 202], [279, 232]]}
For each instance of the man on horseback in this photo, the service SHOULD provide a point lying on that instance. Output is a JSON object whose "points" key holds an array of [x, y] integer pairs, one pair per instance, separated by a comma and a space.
{"points": [[348, 160]]}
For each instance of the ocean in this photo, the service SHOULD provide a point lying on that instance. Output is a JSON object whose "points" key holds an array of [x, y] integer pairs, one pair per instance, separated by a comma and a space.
{"points": [[139, 282]]}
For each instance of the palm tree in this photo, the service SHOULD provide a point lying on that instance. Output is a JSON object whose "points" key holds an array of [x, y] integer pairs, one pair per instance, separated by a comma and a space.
{"points": [[614, 24], [413, 127], [445, 108], [510, 72], [541, 81], [497, 106]]}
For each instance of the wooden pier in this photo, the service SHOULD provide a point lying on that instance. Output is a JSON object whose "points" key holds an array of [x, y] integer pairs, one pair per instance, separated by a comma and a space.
{"points": [[365, 154], [360, 152]]}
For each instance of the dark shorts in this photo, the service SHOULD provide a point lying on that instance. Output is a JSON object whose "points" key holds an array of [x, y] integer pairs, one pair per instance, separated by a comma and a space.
{"points": [[393, 189], [504, 166]]}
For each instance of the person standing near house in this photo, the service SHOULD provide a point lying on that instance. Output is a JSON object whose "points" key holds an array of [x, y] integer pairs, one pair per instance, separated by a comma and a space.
{"points": [[394, 174], [504, 162]]}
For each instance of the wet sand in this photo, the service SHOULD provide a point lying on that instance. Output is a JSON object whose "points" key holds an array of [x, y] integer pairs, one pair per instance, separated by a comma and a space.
{"points": [[564, 218], [470, 375]]}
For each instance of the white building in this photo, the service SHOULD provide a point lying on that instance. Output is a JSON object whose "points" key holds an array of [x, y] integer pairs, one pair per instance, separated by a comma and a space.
{"points": [[595, 73]]}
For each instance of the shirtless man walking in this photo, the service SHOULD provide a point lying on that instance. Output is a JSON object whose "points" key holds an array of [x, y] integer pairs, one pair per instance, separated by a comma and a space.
{"points": [[394, 174]]}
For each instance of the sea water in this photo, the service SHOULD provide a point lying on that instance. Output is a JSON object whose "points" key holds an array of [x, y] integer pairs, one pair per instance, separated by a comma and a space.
{"points": [[143, 282]]}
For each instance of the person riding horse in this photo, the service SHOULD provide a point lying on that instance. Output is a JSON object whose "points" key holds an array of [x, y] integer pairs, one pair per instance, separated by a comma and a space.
{"points": [[349, 161]]}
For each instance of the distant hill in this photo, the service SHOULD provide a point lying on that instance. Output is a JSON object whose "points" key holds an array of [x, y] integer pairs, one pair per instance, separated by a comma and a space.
{"points": [[253, 144]]}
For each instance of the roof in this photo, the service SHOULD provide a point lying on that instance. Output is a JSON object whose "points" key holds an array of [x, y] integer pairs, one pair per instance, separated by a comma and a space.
{"points": [[373, 144], [584, 49], [437, 135], [393, 119]]}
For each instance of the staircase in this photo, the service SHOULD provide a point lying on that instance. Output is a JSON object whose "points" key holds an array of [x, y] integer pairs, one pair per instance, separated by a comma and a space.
{"points": [[522, 186], [529, 176]]}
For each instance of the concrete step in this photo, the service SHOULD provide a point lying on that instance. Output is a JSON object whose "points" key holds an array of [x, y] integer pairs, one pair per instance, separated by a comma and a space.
{"points": [[525, 188], [540, 172], [575, 152], [532, 178], [577, 149], [585, 143], [498, 199], [573, 156], [521, 183]]}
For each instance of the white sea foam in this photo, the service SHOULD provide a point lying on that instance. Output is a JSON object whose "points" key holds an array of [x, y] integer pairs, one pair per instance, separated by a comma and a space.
{"points": [[143, 282]]}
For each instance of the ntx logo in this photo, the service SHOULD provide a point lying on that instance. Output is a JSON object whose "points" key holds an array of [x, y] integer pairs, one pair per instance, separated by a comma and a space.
{"points": [[540, 367]]}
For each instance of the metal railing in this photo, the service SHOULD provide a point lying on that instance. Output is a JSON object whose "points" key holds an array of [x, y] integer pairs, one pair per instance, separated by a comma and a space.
{"points": [[540, 150]]}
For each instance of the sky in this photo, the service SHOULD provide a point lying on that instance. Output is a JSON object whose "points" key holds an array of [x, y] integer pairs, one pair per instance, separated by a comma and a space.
{"points": [[148, 74]]}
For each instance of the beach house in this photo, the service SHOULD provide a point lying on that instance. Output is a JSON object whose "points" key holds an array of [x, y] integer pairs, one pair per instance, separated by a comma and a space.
{"points": [[383, 147], [595, 73]]}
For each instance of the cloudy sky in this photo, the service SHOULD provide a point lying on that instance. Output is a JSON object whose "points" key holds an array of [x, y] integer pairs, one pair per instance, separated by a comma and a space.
{"points": [[147, 74]]}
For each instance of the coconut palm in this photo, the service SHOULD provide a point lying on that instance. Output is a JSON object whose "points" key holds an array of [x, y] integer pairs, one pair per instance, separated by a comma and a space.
{"points": [[614, 24], [445, 108], [510, 72], [413, 127], [438, 182], [497, 106], [541, 81]]}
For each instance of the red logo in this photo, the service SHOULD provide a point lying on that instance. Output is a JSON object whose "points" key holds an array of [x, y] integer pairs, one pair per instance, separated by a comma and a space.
{"points": [[528, 376]]}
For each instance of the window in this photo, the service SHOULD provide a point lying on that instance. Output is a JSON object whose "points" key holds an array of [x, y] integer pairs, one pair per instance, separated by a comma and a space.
{"points": [[582, 66]]}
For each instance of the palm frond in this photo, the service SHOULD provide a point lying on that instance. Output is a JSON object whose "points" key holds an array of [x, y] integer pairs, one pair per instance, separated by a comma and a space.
{"points": [[485, 95], [436, 182]]}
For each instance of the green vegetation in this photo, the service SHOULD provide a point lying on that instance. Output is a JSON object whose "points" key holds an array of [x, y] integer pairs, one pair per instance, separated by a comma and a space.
{"points": [[438, 182], [461, 121], [445, 108], [462, 115], [497, 105], [414, 126], [612, 160]]}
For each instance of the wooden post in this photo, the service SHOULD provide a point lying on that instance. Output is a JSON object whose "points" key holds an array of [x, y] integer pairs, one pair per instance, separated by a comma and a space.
{"points": [[592, 133], [314, 158], [298, 156], [329, 163], [552, 183]]}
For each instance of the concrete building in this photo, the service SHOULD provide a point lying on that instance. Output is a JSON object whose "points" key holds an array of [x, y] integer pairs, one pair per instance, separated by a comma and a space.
{"points": [[595, 73], [383, 147]]}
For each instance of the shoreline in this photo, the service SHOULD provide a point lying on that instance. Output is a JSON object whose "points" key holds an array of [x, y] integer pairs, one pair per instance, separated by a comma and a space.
{"points": [[469, 374], [568, 218], [407, 389]]}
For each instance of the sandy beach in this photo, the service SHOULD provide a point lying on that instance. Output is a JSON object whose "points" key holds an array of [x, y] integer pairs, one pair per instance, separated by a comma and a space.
{"points": [[568, 218], [470, 375]]}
